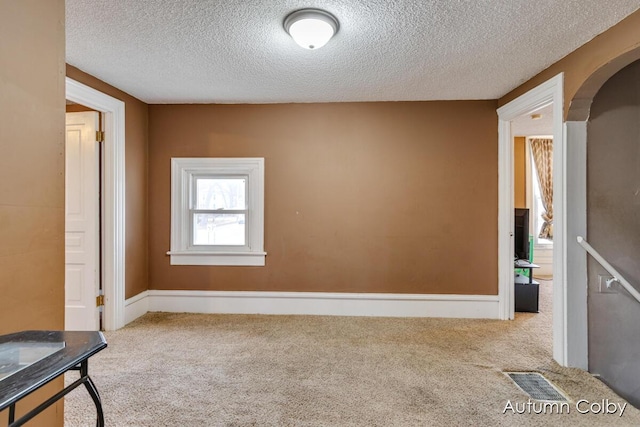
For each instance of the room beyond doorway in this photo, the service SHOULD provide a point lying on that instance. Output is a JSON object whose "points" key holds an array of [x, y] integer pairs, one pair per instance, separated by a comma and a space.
{"points": [[534, 132]]}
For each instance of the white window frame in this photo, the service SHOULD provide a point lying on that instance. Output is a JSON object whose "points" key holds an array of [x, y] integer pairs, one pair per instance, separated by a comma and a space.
{"points": [[184, 170]]}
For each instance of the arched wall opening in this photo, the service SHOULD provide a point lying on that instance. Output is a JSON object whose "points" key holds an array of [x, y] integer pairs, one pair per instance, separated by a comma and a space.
{"points": [[602, 178]]}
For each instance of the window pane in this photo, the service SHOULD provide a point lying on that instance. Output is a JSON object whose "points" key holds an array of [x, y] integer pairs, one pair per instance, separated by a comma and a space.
{"points": [[220, 193], [219, 229]]}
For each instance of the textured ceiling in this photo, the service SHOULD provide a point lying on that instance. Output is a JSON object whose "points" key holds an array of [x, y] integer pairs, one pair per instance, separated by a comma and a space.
{"points": [[201, 51]]}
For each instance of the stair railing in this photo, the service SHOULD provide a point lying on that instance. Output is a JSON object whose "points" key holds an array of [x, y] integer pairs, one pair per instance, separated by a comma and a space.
{"points": [[617, 277]]}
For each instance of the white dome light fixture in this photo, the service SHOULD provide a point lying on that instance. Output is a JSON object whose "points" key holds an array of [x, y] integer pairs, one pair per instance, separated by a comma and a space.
{"points": [[311, 28]]}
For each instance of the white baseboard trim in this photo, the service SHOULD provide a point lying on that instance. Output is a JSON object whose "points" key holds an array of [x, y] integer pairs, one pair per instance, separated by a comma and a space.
{"points": [[136, 306], [317, 303]]}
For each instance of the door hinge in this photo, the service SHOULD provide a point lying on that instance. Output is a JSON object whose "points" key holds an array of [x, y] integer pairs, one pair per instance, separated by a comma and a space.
{"points": [[99, 300], [99, 136]]}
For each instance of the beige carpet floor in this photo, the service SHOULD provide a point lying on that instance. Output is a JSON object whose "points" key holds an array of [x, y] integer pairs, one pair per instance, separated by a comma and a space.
{"points": [[239, 370]]}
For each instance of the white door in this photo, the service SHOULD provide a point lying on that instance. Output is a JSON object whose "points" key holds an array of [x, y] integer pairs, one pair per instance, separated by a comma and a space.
{"points": [[82, 222]]}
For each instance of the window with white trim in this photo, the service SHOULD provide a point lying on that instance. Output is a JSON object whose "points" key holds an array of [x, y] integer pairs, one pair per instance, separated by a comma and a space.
{"points": [[217, 211]]}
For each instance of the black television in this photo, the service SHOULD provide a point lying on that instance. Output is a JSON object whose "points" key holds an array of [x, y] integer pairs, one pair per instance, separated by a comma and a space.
{"points": [[521, 233]]}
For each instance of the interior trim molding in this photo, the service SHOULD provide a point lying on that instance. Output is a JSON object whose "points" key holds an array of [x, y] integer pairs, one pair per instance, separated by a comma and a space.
{"points": [[113, 218], [315, 303], [136, 306]]}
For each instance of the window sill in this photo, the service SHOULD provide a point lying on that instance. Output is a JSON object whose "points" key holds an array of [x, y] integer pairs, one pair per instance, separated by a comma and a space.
{"points": [[256, 259]]}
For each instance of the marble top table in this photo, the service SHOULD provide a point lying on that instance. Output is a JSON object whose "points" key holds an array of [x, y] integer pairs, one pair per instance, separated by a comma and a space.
{"points": [[31, 359]]}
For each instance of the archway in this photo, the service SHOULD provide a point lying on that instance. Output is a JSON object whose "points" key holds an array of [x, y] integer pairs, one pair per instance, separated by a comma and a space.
{"points": [[575, 188], [603, 124]]}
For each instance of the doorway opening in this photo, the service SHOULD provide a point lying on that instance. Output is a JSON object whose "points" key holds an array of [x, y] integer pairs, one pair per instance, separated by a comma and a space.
{"points": [[548, 93], [533, 176], [533, 218], [113, 196]]}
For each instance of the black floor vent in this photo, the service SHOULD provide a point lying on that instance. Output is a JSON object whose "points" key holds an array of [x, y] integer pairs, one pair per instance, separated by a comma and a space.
{"points": [[537, 386]]}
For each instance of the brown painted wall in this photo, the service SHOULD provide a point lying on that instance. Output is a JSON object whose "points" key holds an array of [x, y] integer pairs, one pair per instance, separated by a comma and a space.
{"points": [[579, 65], [77, 108], [136, 172], [613, 224], [520, 172], [360, 197], [32, 174]]}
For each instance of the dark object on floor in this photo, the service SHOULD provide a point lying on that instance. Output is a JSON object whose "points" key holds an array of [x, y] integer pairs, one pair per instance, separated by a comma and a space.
{"points": [[526, 297]]}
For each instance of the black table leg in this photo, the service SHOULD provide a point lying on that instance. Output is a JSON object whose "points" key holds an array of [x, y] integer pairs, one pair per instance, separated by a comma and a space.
{"points": [[93, 392], [50, 401]]}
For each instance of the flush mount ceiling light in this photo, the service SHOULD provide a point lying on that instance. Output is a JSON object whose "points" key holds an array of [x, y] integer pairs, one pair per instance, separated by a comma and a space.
{"points": [[311, 28]]}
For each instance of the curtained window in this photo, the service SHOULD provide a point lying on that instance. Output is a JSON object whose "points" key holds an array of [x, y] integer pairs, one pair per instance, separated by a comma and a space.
{"points": [[542, 156]]}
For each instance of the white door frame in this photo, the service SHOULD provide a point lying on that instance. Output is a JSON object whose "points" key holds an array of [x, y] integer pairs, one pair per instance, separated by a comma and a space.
{"points": [[113, 218], [551, 91]]}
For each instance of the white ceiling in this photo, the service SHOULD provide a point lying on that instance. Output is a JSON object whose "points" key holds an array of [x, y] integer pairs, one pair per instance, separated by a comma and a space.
{"points": [[204, 51]]}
